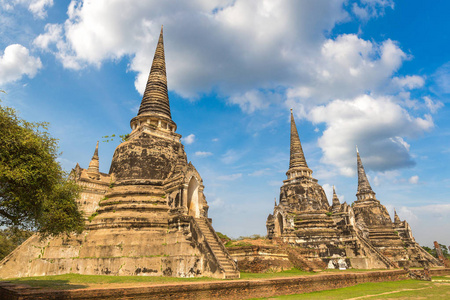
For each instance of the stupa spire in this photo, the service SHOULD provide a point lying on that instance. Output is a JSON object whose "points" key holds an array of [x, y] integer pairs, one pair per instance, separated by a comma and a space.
{"points": [[297, 162], [297, 157], [93, 169], [155, 100], [396, 217], [364, 188], [336, 201]]}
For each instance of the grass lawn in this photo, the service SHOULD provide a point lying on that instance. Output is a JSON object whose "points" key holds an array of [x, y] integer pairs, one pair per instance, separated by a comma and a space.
{"points": [[439, 288], [75, 281]]}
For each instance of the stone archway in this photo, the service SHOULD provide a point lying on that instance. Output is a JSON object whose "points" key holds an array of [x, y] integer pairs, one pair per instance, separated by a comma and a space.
{"points": [[193, 199], [279, 225]]}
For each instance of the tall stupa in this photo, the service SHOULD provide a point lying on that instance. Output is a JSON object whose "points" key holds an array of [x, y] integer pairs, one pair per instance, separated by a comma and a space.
{"points": [[362, 234], [147, 216]]}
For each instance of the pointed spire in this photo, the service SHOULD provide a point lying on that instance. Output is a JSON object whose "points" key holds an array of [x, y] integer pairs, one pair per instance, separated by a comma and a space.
{"points": [[95, 152], [155, 100], [275, 202], [364, 188], [93, 169], [297, 157], [336, 201], [396, 217]]}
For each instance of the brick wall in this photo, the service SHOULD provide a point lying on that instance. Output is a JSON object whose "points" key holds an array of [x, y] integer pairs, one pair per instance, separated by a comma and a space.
{"points": [[226, 289]]}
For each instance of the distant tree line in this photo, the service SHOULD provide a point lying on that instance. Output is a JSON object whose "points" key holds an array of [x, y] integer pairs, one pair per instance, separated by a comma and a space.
{"points": [[432, 251]]}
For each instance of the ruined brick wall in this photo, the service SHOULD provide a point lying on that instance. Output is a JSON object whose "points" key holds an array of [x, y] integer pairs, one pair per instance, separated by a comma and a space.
{"points": [[231, 289]]}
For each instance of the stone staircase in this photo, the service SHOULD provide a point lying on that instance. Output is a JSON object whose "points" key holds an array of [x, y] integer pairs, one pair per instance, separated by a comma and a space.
{"points": [[218, 249], [389, 264], [428, 256]]}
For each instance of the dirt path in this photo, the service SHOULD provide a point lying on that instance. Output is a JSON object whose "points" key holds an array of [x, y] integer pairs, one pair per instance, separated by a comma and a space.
{"points": [[387, 293]]}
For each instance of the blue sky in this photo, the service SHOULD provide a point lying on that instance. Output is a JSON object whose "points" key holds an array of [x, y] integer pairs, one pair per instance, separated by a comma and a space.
{"points": [[372, 73]]}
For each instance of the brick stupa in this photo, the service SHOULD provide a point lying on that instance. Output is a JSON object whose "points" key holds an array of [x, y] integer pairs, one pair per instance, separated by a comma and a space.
{"points": [[363, 235], [148, 216]]}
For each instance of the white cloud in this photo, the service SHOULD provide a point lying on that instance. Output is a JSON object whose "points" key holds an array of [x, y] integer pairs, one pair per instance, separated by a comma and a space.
{"points": [[433, 106], [414, 179], [263, 46], [441, 79], [253, 100], [348, 66], [409, 82], [377, 125], [267, 52], [215, 140], [230, 177], [37, 7], [231, 156], [260, 172], [262, 40], [328, 188], [190, 139], [218, 202], [16, 62], [429, 222], [371, 8], [53, 34], [203, 154]]}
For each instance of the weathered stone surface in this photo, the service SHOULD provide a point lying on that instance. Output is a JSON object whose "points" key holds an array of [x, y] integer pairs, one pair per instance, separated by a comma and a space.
{"points": [[144, 157]]}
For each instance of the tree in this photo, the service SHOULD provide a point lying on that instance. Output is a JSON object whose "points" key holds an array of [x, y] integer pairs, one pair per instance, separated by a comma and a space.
{"points": [[34, 191], [10, 238], [429, 250]]}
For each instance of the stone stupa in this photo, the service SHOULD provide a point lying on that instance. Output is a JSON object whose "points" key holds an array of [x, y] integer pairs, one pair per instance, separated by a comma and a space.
{"points": [[148, 216], [362, 234]]}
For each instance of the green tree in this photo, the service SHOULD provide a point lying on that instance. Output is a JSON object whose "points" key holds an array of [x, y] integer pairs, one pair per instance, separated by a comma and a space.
{"points": [[10, 238], [429, 250], [34, 191]]}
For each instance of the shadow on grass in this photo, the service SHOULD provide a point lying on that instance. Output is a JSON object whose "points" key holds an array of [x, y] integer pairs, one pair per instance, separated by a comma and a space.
{"points": [[49, 284]]}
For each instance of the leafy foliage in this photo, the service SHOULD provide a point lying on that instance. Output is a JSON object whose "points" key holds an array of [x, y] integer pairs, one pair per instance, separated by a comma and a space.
{"points": [[223, 236], [34, 192], [432, 251], [10, 238], [110, 138]]}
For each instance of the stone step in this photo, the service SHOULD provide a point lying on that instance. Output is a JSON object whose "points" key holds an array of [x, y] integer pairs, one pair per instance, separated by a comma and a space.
{"points": [[227, 265]]}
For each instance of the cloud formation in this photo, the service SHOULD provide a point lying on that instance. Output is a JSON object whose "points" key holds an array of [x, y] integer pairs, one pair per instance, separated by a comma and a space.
{"points": [[260, 45], [414, 179], [188, 140], [377, 125], [203, 153], [16, 62], [269, 53], [230, 177], [37, 7]]}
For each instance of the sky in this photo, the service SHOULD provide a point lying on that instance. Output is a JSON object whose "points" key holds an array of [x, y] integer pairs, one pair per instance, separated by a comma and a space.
{"points": [[371, 73]]}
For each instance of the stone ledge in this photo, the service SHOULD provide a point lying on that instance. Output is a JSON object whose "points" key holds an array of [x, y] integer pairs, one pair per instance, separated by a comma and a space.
{"points": [[229, 289]]}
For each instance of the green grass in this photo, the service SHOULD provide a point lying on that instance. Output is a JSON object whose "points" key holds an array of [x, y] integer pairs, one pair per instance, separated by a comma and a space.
{"points": [[405, 289], [76, 281]]}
